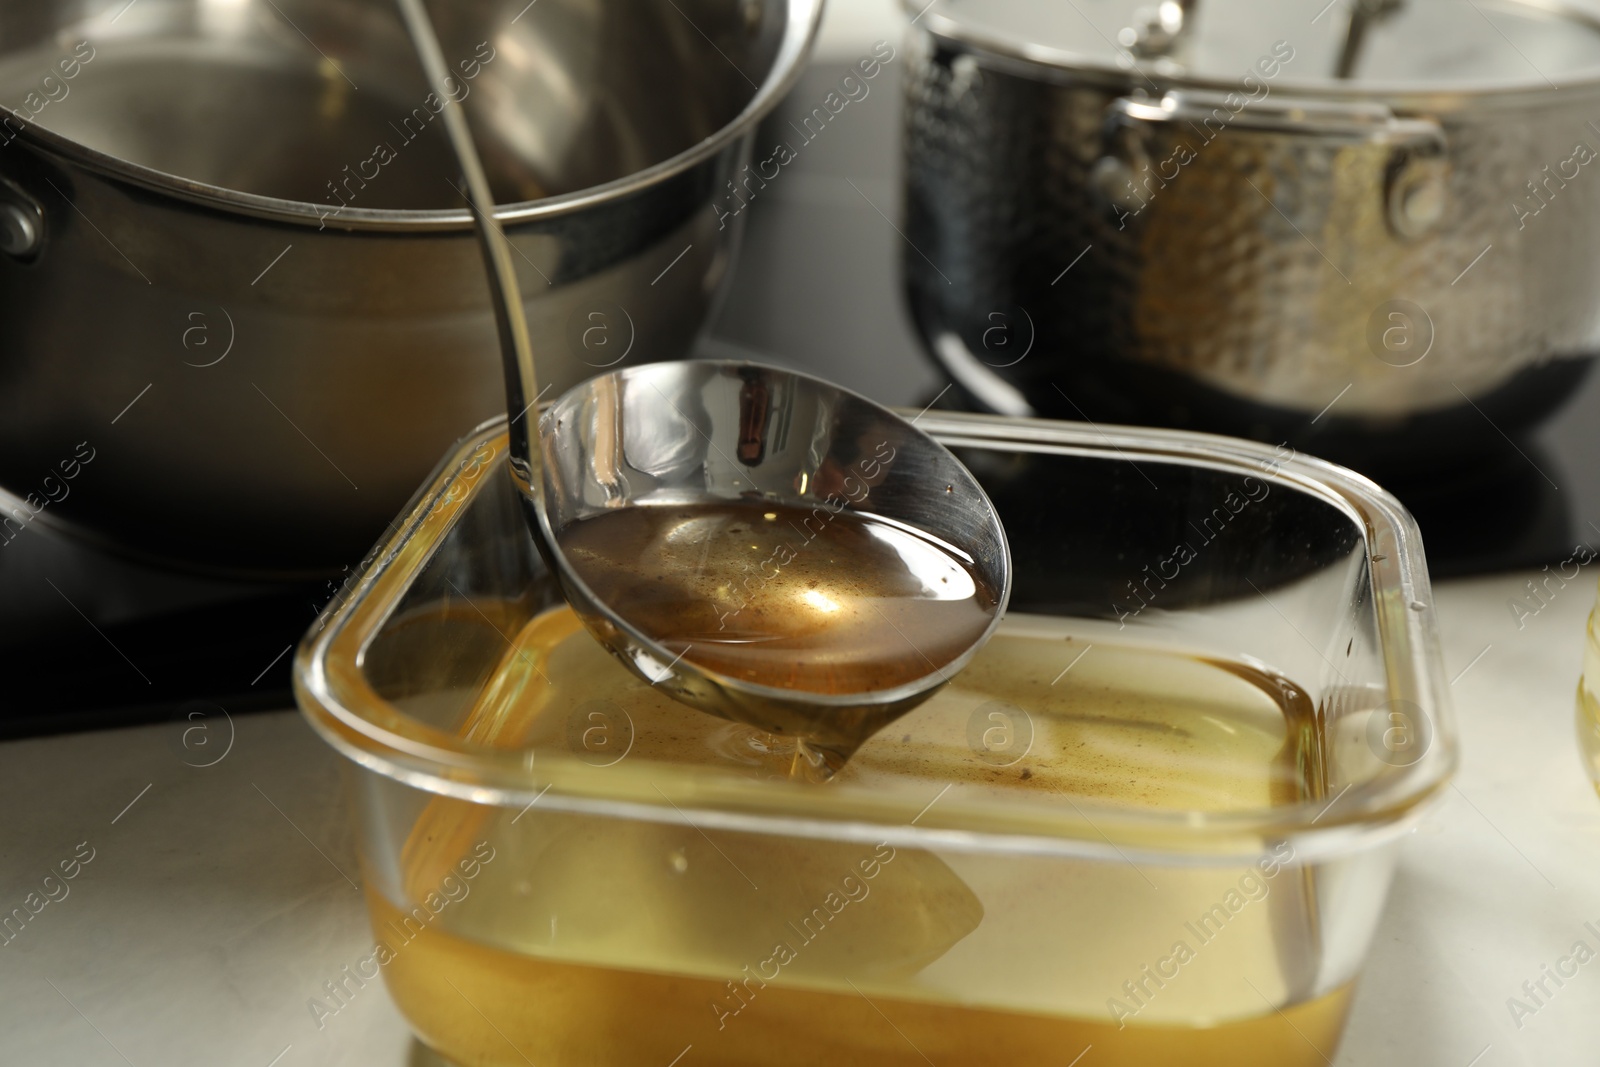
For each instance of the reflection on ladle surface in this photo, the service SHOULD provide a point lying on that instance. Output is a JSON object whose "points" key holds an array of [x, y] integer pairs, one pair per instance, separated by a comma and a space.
{"points": [[785, 596]]}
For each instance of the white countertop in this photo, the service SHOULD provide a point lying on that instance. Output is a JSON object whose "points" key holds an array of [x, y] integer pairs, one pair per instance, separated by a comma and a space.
{"points": [[218, 902]]}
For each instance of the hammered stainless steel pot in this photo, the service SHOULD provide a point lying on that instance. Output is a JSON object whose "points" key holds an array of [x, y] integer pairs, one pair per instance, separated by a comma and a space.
{"points": [[1185, 216], [235, 266]]}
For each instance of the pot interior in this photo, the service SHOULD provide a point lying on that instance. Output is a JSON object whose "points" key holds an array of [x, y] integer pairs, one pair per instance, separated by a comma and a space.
{"points": [[323, 101]]}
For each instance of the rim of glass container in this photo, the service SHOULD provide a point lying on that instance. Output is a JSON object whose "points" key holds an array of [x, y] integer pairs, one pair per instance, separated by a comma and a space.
{"points": [[337, 700]]}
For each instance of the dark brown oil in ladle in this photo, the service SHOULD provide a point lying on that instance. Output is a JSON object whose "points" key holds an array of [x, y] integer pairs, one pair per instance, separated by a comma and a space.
{"points": [[784, 596]]}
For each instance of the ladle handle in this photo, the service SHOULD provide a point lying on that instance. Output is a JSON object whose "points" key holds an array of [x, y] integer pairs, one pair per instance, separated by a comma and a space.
{"points": [[1364, 14], [509, 317]]}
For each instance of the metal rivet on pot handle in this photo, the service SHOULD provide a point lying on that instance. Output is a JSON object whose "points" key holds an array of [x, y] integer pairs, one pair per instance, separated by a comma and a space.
{"points": [[1158, 30], [21, 223], [1113, 178], [1417, 189]]}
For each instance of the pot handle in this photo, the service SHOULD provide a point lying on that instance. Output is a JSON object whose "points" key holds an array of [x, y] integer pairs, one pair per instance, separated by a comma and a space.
{"points": [[21, 222], [1415, 179]]}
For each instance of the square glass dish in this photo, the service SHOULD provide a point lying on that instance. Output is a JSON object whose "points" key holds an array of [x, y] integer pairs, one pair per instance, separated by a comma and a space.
{"points": [[1156, 817]]}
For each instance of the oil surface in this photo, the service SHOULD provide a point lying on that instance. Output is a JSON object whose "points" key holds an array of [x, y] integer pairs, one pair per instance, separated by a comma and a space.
{"points": [[598, 941], [810, 599]]}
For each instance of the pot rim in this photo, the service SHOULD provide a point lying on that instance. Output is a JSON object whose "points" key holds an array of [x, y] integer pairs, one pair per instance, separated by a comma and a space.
{"points": [[799, 35], [1033, 59]]}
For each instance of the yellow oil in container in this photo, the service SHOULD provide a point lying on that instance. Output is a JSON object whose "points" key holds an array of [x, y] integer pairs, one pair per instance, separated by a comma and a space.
{"points": [[1588, 723], [590, 940]]}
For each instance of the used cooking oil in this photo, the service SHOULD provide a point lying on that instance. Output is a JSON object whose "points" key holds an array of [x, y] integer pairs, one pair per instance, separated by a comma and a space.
{"points": [[545, 936], [827, 601], [1589, 701]]}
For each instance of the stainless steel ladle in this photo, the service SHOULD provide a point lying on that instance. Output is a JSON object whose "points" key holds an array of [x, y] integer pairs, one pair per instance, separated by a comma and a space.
{"points": [[718, 432]]}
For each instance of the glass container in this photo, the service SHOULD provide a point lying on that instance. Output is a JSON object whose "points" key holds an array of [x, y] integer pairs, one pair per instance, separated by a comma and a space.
{"points": [[1156, 818]]}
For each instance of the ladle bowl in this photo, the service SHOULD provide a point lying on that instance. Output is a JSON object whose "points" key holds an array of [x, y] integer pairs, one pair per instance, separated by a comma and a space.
{"points": [[699, 432]]}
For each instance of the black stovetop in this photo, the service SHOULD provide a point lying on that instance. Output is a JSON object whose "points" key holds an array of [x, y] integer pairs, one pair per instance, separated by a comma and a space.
{"points": [[88, 640]]}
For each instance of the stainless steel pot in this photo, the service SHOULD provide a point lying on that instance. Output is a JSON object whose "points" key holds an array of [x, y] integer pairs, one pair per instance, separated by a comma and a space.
{"points": [[1186, 216], [236, 268]]}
